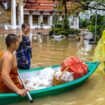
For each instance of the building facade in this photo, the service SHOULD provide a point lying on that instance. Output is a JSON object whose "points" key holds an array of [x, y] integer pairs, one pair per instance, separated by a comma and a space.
{"points": [[37, 13]]}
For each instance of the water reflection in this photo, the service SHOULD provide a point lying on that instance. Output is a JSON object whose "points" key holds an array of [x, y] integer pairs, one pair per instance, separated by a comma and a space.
{"points": [[53, 52]]}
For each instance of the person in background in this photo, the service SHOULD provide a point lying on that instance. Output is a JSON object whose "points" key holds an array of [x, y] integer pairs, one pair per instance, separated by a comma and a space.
{"points": [[9, 81], [24, 52]]}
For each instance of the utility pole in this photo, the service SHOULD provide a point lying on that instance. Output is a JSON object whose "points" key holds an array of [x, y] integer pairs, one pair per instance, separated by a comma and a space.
{"points": [[95, 35], [54, 17], [95, 30]]}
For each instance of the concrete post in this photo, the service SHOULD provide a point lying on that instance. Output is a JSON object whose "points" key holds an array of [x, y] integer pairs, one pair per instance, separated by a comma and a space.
{"points": [[13, 14]]}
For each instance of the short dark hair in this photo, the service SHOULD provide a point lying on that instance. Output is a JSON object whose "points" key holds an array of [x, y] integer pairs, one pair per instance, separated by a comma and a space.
{"points": [[24, 25], [10, 39]]}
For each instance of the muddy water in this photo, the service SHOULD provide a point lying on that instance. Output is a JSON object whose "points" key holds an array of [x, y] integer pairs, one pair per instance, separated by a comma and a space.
{"points": [[49, 52]]}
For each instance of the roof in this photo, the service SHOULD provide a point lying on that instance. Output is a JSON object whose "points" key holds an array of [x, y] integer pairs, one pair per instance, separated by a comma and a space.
{"points": [[40, 5]]}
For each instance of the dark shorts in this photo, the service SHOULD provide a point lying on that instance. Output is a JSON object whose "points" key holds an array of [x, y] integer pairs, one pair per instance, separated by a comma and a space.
{"points": [[24, 65]]}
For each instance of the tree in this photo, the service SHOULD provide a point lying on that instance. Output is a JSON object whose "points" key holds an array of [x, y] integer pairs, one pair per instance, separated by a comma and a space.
{"points": [[80, 4], [100, 26], [85, 4]]}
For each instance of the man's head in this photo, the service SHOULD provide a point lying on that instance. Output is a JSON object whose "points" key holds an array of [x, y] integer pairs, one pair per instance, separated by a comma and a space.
{"points": [[25, 28], [12, 41]]}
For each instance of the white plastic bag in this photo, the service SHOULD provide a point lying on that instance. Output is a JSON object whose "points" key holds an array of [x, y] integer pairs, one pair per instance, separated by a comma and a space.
{"points": [[43, 80], [47, 73], [67, 76], [57, 74]]}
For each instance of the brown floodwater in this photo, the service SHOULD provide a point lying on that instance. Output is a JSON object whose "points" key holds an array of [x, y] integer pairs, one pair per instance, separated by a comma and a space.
{"points": [[49, 52]]}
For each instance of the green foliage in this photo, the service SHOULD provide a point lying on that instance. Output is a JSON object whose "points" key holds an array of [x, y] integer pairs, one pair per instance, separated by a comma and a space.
{"points": [[61, 27], [66, 23], [92, 29], [100, 24], [99, 19], [60, 30], [63, 32], [102, 27], [83, 23], [66, 32], [59, 24], [74, 31]]}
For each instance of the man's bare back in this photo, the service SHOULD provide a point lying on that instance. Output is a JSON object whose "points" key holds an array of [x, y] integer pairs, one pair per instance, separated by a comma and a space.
{"points": [[8, 56]]}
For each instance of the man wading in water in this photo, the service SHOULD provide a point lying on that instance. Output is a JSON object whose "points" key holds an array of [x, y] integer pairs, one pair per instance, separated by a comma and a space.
{"points": [[9, 81], [24, 52]]}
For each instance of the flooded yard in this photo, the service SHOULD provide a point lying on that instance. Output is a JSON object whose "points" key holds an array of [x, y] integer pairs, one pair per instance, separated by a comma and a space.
{"points": [[49, 52]]}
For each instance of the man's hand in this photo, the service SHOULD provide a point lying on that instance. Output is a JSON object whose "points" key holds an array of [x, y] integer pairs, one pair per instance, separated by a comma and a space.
{"points": [[20, 36], [31, 45], [22, 92]]}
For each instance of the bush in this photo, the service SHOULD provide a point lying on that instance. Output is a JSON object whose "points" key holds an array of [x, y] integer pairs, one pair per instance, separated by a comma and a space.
{"points": [[100, 26], [83, 23], [66, 32], [74, 31], [63, 28], [58, 24], [66, 24], [63, 32]]}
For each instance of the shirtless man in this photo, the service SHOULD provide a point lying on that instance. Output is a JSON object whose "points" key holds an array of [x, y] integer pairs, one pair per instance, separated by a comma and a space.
{"points": [[9, 81]]}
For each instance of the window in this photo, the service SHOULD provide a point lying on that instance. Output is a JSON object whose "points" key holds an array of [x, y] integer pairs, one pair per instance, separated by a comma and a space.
{"points": [[45, 19], [35, 19], [26, 19]]}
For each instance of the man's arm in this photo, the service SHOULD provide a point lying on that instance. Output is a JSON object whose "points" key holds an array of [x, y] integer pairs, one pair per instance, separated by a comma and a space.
{"points": [[6, 68]]}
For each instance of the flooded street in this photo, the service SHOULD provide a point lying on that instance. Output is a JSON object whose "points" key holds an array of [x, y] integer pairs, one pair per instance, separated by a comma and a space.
{"points": [[90, 93], [49, 52]]}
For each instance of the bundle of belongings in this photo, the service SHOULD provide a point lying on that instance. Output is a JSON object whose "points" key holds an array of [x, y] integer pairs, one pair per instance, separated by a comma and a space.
{"points": [[42, 79], [71, 68]]}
